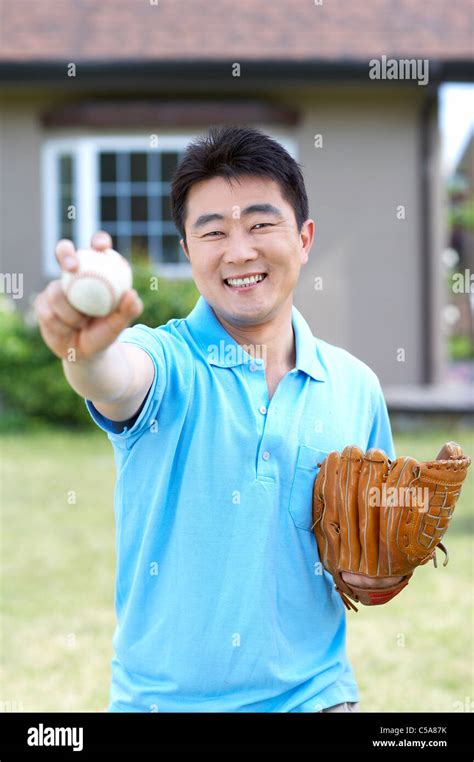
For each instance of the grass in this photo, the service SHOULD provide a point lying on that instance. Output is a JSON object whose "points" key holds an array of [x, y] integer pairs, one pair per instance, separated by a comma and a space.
{"points": [[57, 534], [414, 654], [58, 571]]}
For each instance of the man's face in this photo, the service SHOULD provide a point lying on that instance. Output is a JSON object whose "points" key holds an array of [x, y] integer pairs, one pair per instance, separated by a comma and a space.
{"points": [[241, 230]]}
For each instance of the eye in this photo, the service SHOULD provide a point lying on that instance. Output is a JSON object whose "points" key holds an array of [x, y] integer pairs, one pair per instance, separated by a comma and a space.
{"points": [[214, 233]]}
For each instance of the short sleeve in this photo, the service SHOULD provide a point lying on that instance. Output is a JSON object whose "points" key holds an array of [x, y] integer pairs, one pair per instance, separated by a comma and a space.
{"points": [[380, 433], [149, 340]]}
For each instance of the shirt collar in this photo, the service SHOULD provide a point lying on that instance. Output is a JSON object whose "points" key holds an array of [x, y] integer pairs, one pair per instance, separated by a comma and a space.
{"points": [[307, 348], [221, 349]]}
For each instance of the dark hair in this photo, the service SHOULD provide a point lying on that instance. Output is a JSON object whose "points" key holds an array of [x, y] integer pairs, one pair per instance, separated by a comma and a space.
{"points": [[233, 152]]}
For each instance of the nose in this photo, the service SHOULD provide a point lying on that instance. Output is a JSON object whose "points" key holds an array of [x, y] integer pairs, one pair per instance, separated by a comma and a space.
{"points": [[239, 249]]}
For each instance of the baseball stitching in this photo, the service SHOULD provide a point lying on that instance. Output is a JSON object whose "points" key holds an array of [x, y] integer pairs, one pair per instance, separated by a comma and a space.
{"points": [[93, 274]]}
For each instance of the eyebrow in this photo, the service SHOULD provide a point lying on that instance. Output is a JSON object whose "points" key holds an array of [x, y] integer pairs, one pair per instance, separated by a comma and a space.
{"points": [[260, 208]]}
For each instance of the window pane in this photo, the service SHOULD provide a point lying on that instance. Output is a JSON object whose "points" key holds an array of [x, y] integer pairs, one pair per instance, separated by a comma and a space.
{"points": [[65, 170], [133, 207], [67, 211], [108, 172], [138, 169], [171, 249], [67, 230], [139, 208], [166, 208], [169, 163], [108, 208], [123, 246], [66, 200], [154, 244]]}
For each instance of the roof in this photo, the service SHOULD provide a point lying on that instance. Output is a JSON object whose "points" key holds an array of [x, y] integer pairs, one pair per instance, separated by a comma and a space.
{"points": [[234, 30]]}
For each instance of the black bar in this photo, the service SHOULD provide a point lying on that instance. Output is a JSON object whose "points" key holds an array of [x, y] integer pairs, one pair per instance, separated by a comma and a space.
{"points": [[442, 734]]}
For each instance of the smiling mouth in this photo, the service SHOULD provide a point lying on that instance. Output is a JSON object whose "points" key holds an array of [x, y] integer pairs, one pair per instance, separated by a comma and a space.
{"points": [[242, 284]]}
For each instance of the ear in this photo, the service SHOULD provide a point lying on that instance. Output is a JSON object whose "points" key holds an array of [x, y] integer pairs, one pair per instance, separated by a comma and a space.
{"points": [[306, 239]]}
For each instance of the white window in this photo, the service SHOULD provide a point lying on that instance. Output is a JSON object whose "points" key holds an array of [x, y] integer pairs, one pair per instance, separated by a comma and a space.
{"points": [[119, 184]]}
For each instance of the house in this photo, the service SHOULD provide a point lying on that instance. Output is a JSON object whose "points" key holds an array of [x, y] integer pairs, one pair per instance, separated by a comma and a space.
{"points": [[98, 102]]}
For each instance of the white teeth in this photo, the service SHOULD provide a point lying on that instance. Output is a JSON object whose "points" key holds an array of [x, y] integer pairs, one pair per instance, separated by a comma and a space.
{"points": [[245, 281]]}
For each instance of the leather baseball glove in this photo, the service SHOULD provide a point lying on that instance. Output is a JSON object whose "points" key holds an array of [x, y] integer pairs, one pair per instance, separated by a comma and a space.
{"points": [[382, 518]]}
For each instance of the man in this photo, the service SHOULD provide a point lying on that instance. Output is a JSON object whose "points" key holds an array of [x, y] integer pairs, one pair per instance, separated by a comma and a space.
{"points": [[218, 423]]}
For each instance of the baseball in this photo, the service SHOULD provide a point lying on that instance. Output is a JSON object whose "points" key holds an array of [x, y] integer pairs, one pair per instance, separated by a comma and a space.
{"points": [[99, 283]]}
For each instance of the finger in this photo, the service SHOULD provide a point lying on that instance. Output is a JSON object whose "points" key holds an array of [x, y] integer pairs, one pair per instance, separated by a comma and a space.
{"points": [[450, 450], [130, 305], [362, 580], [103, 331], [49, 323], [66, 313], [66, 254], [58, 303], [101, 241]]}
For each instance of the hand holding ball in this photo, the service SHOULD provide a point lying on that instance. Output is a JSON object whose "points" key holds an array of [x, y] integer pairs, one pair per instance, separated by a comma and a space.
{"points": [[96, 287]]}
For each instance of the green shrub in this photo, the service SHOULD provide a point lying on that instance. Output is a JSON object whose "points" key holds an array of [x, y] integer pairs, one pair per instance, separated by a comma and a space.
{"points": [[462, 215], [33, 389], [171, 299], [461, 348]]}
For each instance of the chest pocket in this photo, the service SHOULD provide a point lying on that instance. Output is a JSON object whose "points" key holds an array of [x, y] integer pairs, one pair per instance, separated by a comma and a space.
{"points": [[300, 506]]}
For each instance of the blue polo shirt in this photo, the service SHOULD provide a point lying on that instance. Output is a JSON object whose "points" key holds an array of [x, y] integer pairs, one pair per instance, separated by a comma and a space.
{"points": [[222, 604]]}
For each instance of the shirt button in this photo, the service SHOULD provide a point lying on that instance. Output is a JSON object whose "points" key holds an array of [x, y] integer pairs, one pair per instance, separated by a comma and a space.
{"points": [[263, 409], [266, 455], [252, 367]]}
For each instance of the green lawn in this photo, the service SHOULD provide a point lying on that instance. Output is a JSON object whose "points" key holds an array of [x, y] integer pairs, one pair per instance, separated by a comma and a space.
{"points": [[57, 533], [414, 654]]}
